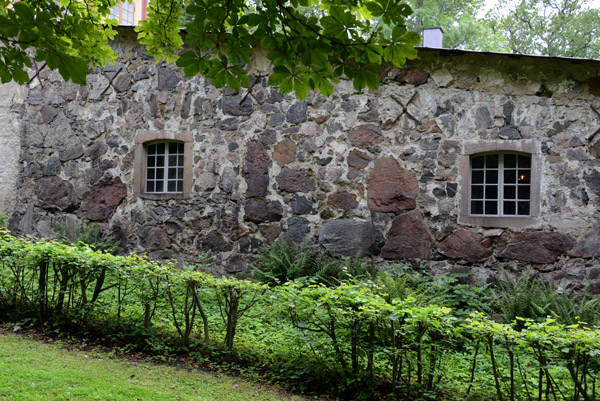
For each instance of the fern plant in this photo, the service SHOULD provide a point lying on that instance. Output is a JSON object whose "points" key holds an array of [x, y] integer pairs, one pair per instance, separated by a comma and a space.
{"points": [[73, 231], [285, 261]]}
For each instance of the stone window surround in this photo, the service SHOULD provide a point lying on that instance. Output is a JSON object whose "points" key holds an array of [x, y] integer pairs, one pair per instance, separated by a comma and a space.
{"points": [[142, 139], [470, 148]]}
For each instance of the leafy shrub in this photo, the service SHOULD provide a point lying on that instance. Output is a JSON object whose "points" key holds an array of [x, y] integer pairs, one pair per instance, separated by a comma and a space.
{"points": [[73, 231], [3, 220], [528, 297]]}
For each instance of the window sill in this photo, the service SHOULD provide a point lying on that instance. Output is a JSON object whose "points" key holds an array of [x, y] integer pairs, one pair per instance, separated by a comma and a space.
{"points": [[165, 196], [513, 222]]}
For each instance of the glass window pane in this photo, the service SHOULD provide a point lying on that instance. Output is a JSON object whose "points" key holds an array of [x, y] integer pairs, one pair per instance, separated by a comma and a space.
{"points": [[491, 207], [159, 186], [510, 161], [510, 176], [476, 207], [150, 173], [180, 186], [491, 161], [510, 208], [172, 160], [160, 161], [524, 176], [477, 177], [150, 186], [152, 149], [160, 148], [180, 160], [491, 176], [477, 162], [172, 186], [510, 191], [477, 192], [151, 161], [491, 192], [180, 148], [172, 147], [172, 173], [524, 191], [523, 209], [160, 174], [524, 161], [180, 173]]}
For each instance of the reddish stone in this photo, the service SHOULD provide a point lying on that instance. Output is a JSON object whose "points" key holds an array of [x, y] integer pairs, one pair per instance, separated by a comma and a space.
{"points": [[595, 148], [464, 244], [284, 152], [358, 159], [342, 199], [295, 180], [409, 237], [157, 238], [588, 245], [536, 247], [321, 119], [55, 193], [412, 75], [391, 188], [102, 199], [256, 170], [270, 231], [213, 242], [365, 136], [449, 153], [262, 210]]}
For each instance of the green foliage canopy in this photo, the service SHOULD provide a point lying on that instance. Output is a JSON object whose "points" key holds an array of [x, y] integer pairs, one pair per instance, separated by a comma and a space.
{"points": [[311, 43], [567, 28]]}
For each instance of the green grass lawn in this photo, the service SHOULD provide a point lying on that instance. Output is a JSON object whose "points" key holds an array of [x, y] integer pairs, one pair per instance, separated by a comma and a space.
{"points": [[32, 370]]}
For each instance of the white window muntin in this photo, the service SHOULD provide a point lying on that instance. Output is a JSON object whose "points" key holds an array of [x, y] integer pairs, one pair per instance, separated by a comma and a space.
{"points": [[500, 184], [164, 167]]}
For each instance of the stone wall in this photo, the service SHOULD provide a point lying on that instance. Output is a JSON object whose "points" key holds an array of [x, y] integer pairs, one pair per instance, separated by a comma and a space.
{"points": [[9, 144], [375, 172]]}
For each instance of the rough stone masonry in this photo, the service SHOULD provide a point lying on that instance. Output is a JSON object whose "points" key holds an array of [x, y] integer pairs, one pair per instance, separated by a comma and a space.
{"points": [[372, 172]]}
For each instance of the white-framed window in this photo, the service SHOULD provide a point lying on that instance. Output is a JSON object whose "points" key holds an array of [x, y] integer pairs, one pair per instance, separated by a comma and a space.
{"points": [[124, 12], [500, 184], [164, 167]]}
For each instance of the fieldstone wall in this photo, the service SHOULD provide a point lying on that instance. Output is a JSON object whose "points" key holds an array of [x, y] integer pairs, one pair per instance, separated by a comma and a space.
{"points": [[372, 172], [10, 145]]}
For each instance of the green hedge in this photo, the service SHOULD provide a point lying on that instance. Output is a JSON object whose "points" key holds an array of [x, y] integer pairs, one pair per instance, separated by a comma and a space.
{"points": [[352, 339]]}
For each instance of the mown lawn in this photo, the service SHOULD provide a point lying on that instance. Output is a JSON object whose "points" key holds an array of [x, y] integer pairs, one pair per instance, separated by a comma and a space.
{"points": [[32, 370]]}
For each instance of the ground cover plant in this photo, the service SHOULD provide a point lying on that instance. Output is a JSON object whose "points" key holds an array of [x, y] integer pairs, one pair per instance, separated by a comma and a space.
{"points": [[369, 338], [32, 370]]}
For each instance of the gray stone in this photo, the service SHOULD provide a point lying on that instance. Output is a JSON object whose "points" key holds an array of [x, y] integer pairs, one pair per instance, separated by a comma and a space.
{"points": [[349, 237], [49, 113], [301, 205], [52, 167], [228, 124], [298, 228], [249, 245], [167, 79], [297, 113], [483, 118], [588, 245], [231, 106], [71, 153], [592, 180], [509, 132], [123, 82]]}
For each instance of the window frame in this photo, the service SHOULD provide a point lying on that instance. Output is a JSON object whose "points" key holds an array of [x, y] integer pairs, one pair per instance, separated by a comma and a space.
{"points": [[142, 141], [475, 148]]}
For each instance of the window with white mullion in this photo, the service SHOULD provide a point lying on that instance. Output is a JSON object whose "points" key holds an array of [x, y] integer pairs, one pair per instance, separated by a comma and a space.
{"points": [[500, 184], [164, 167]]}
